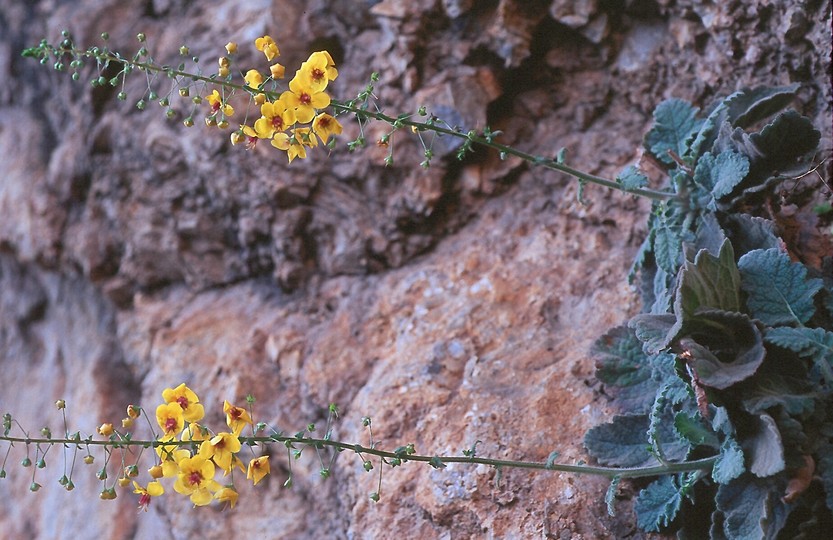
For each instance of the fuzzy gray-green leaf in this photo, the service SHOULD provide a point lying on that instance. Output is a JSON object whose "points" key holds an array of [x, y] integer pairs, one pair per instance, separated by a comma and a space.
{"points": [[729, 463], [657, 505], [779, 291], [674, 122]]}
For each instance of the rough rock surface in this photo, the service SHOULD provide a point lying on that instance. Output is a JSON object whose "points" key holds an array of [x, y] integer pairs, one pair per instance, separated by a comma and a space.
{"points": [[452, 304]]}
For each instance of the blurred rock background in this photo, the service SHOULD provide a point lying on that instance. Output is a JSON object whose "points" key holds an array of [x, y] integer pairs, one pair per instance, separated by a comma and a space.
{"points": [[452, 304]]}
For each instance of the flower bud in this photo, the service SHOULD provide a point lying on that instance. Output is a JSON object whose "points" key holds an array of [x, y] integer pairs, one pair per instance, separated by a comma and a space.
{"points": [[89, 459], [105, 430], [133, 411], [127, 423], [141, 37], [155, 472], [26, 462], [34, 487], [70, 486], [231, 47], [124, 481], [184, 51]]}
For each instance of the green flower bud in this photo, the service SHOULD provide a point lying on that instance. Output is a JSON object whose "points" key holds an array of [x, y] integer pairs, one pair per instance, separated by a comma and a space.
{"points": [[164, 102], [170, 113], [121, 96], [141, 37], [374, 497], [105, 36], [140, 104], [184, 92], [184, 51], [63, 480], [34, 487], [41, 463], [26, 462]]}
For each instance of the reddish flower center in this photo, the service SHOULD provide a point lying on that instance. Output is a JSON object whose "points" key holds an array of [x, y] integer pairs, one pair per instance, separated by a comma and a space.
{"points": [[183, 401], [144, 501], [216, 106], [305, 98], [324, 122], [236, 413], [317, 74], [170, 425], [277, 122], [194, 478], [220, 445]]}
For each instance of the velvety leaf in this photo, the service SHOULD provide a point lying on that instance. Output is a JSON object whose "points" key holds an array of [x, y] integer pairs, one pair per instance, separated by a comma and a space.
{"points": [[621, 442], [631, 178], [747, 507], [787, 137], [721, 422], [653, 330], [674, 122], [774, 390], [657, 505], [729, 464], [805, 341], [610, 495], [750, 106], [720, 174], [778, 290], [694, 430], [662, 292], [724, 348], [749, 232], [625, 369], [743, 108], [764, 448], [667, 248], [666, 442], [709, 235], [708, 282]]}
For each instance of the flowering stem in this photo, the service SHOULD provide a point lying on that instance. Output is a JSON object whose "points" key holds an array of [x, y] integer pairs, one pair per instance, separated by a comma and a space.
{"points": [[435, 461], [107, 56]]}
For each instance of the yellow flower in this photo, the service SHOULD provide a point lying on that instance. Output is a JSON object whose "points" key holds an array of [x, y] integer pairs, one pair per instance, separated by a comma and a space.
{"points": [[325, 125], [171, 455], [217, 104], [268, 46], [105, 429], [236, 417], [304, 99], [227, 495], [170, 418], [192, 411], [221, 449], [317, 71], [291, 145], [277, 116], [196, 478], [154, 489], [258, 468], [277, 71], [194, 432], [253, 78]]}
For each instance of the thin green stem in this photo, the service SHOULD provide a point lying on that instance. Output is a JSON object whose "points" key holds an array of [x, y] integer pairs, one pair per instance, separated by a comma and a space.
{"points": [[608, 472], [348, 107]]}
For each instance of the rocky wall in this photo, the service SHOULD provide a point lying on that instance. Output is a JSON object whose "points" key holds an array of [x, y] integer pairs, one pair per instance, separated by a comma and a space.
{"points": [[451, 304]]}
